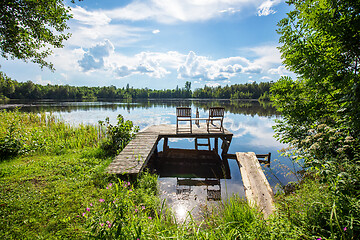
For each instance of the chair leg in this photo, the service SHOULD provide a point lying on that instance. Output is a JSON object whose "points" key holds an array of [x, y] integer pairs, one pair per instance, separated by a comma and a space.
{"points": [[190, 126]]}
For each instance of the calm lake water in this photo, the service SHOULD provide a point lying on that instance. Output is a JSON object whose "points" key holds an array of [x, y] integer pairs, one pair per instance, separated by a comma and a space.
{"points": [[250, 122]]}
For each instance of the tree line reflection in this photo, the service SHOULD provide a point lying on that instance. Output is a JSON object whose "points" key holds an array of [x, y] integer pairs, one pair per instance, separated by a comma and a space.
{"points": [[232, 106]]}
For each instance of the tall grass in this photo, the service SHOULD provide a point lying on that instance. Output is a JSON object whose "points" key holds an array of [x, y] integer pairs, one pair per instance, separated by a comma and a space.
{"points": [[23, 133]]}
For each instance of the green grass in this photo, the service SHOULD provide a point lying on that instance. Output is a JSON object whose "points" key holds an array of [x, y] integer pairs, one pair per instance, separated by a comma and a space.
{"points": [[41, 195], [58, 190]]}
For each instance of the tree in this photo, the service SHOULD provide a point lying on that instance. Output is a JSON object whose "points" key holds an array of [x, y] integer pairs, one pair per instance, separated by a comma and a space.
{"points": [[28, 29], [320, 42], [188, 86], [321, 109]]}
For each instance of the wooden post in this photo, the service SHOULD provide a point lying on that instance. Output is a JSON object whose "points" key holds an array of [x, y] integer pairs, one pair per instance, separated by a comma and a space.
{"points": [[197, 116], [225, 144], [216, 144], [165, 147], [156, 153]]}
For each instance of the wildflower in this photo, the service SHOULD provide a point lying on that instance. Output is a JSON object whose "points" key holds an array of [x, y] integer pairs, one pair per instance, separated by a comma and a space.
{"points": [[101, 200], [136, 210], [340, 150], [150, 218], [345, 228], [91, 204], [318, 135], [318, 239], [110, 185], [128, 183], [143, 207], [130, 190], [83, 214], [108, 224], [101, 224], [348, 139], [314, 146], [88, 209], [77, 216]]}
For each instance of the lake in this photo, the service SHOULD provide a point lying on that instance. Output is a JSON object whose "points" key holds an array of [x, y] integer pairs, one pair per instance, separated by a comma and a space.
{"points": [[249, 121]]}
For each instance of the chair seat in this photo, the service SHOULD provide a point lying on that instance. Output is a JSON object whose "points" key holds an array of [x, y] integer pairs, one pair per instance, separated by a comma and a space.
{"points": [[214, 118]]}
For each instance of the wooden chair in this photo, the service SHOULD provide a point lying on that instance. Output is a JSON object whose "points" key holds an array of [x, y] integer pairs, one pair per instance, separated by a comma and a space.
{"points": [[183, 114], [216, 114]]}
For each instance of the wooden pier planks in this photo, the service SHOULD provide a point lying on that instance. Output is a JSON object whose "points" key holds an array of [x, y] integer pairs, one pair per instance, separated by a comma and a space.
{"points": [[257, 188], [135, 155]]}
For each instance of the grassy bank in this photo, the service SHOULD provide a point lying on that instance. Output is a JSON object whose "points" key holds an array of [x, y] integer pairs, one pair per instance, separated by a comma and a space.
{"points": [[53, 186]]}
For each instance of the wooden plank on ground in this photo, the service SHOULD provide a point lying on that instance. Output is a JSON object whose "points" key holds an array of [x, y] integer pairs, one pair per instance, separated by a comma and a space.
{"points": [[257, 188]]}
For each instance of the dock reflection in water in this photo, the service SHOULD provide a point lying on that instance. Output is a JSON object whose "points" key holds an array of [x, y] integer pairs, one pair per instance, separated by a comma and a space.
{"points": [[192, 179]]}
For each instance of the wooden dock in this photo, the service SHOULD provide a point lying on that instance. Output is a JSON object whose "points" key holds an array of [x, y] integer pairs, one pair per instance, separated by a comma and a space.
{"points": [[257, 189], [134, 157]]}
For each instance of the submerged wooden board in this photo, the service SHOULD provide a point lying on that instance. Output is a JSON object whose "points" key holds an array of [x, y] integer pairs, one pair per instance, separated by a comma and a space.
{"points": [[257, 188], [134, 157]]}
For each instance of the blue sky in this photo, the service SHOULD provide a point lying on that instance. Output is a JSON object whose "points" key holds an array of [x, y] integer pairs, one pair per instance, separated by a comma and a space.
{"points": [[162, 44]]}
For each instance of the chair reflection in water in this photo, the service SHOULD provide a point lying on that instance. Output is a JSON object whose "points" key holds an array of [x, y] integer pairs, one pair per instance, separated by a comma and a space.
{"points": [[213, 188]]}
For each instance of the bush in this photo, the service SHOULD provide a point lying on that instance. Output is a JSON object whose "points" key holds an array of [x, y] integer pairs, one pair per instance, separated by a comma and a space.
{"points": [[118, 136]]}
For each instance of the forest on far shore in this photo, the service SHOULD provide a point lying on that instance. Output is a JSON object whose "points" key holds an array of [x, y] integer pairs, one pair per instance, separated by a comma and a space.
{"points": [[12, 89]]}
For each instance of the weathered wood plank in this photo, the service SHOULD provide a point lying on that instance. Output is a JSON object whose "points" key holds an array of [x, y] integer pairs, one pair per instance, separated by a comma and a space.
{"points": [[135, 155], [257, 188]]}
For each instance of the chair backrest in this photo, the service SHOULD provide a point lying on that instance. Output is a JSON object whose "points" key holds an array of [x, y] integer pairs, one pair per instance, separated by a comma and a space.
{"points": [[216, 112], [183, 112]]}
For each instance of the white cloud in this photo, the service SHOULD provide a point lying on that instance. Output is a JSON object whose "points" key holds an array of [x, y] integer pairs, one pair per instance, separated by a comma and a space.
{"points": [[156, 31], [170, 11], [266, 7], [266, 78], [212, 84], [229, 10], [89, 18], [119, 35], [281, 70], [94, 57], [200, 67], [267, 55], [104, 57], [153, 64], [41, 81]]}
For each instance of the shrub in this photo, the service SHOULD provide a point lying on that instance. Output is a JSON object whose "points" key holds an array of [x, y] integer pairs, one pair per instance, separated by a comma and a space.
{"points": [[118, 136]]}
